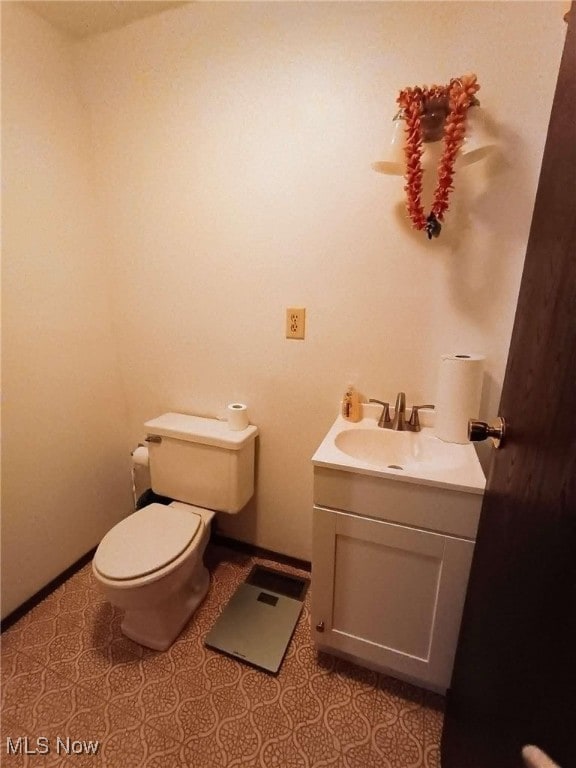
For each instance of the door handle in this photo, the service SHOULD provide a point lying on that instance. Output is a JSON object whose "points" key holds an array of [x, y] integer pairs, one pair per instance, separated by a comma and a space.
{"points": [[481, 430]]}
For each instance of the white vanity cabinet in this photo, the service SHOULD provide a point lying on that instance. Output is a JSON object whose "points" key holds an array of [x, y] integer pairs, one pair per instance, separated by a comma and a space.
{"points": [[390, 566]]}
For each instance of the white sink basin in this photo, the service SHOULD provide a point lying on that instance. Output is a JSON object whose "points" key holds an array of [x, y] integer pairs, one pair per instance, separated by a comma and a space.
{"points": [[407, 451], [417, 457]]}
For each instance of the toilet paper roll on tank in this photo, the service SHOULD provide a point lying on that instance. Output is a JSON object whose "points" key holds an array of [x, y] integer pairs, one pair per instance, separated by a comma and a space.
{"points": [[237, 415], [458, 395]]}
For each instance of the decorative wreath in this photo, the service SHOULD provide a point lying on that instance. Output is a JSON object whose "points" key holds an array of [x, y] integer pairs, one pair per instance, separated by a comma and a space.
{"points": [[431, 113]]}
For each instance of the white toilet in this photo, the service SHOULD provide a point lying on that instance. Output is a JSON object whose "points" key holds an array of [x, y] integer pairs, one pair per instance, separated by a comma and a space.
{"points": [[151, 563]]}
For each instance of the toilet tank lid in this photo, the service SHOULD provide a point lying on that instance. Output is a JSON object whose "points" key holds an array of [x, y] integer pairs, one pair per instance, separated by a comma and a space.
{"points": [[199, 429]]}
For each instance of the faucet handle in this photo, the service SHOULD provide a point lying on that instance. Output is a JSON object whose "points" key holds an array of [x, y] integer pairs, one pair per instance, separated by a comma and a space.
{"points": [[385, 416], [414, 421]]}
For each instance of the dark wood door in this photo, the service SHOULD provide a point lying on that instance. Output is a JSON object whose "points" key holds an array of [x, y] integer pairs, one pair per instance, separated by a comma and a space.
{"points": [[514, 678]]}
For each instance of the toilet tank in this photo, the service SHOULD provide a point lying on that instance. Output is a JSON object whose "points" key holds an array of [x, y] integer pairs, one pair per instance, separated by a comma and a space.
{"points": [[201, 461]]}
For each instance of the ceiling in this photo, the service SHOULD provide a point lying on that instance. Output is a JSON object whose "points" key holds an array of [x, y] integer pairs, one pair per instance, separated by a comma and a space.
{"points": [[82, 18]]}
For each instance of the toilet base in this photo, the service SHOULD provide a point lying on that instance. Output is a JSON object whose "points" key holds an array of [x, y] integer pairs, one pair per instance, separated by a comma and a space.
{"points": [[158, 627]]}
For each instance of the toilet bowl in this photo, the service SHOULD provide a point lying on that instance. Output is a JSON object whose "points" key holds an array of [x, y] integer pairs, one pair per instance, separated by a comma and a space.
{"points": [[150, 565]]}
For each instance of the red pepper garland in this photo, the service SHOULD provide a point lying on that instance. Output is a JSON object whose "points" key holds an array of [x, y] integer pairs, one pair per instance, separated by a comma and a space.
{"points": [[455, 98]]}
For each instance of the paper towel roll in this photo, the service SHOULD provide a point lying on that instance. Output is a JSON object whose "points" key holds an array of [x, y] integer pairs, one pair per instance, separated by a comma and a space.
{"points": [[237, 416], [458, 395]]}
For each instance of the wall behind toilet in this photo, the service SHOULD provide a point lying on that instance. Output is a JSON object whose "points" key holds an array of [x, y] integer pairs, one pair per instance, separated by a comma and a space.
{"points": [[234, 143], [64, 425]]}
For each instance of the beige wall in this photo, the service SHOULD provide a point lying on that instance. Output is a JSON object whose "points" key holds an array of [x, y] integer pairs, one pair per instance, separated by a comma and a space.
{"points": [[235, 143], [232, 145], [65, 448]]}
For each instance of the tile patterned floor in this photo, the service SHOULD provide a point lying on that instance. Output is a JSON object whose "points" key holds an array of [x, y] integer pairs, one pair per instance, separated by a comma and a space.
{"points": [[69, 676]]}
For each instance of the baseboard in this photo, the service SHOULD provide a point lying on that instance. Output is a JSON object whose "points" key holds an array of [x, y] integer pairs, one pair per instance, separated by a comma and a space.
{"points": [[240, 546], [33, 601], [255, 551]]}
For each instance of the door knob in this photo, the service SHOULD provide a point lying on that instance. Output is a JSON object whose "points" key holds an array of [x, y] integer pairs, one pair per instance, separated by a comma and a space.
{"points": [[481, 430]]}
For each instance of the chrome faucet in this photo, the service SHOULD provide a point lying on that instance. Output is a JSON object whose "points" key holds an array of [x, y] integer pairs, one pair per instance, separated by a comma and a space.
{"points": [[399, 420]]}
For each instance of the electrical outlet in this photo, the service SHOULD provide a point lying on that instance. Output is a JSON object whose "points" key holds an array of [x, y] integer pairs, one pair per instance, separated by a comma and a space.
{"points": [[295, 321]]}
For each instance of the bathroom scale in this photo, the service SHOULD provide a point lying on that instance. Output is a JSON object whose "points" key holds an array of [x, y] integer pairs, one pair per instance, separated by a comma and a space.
{"points": [[258, 622]]}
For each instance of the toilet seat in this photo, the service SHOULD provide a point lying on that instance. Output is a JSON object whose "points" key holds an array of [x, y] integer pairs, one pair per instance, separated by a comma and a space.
{"points": [[146, 542]]}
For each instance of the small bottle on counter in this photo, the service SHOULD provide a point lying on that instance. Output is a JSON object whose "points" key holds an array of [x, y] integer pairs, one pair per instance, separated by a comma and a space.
{"points": [[346, 403], [351, 405]]}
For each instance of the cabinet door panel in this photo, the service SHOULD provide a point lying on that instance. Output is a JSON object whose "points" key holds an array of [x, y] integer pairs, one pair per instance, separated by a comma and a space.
{"points": [[375, 579], [388, 594]]}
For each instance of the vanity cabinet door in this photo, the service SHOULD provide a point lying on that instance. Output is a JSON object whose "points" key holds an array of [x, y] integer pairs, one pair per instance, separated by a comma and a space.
{"points": [[388, 595]]}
